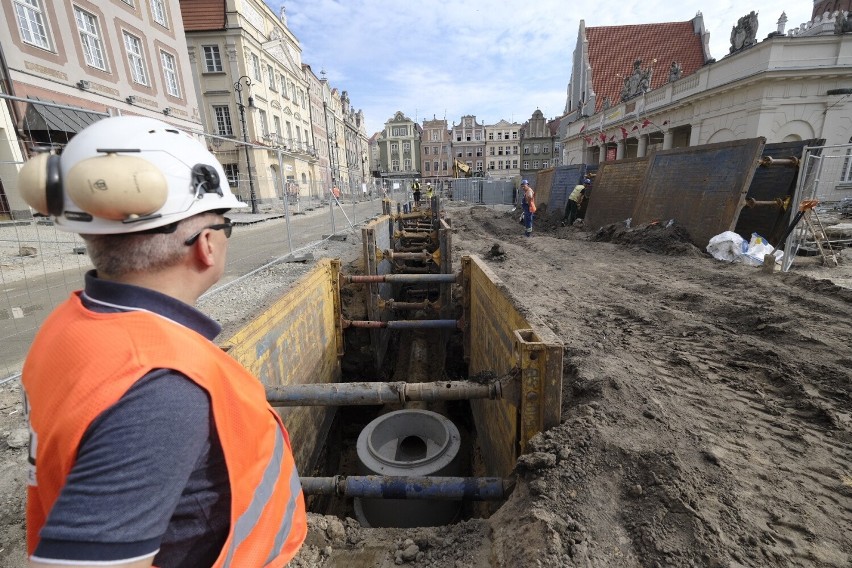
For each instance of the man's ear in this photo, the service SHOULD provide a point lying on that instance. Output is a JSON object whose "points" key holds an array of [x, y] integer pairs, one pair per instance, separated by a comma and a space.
{"points": [[204, 249]]}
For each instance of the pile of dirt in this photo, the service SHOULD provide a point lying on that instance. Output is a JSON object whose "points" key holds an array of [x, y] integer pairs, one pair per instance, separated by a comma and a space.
{"points": [[669, 239]]}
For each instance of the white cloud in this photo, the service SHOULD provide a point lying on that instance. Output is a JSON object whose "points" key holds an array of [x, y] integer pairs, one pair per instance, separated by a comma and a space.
{"points": [[492, 59]]}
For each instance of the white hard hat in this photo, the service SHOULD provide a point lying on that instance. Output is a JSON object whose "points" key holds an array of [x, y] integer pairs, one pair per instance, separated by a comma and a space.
{"points": [[126, 174]]}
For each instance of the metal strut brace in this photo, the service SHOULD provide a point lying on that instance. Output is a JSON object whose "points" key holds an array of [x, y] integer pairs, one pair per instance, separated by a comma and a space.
{"points": [[370, 393]]}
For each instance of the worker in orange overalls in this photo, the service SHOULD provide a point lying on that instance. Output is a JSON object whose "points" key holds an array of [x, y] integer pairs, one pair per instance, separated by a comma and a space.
{"points": [[149, 445]]}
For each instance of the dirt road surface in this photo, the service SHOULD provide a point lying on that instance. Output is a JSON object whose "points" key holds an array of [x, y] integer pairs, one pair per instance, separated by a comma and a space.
{"points": [[706, 415]]}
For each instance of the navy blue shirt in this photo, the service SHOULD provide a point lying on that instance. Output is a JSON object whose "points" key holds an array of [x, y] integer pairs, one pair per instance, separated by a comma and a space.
{"points": [[150, 473]]}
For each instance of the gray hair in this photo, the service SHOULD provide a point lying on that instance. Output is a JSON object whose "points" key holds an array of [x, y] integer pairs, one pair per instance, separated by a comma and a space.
{"points": [[127, 253]]}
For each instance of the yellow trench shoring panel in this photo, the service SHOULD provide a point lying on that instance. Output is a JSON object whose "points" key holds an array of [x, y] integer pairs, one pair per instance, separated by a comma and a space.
{"points": [[500, 340], [298, 340]]}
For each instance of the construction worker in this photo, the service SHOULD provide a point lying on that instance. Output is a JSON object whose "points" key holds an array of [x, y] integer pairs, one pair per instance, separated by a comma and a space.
{"points": [[528, 205], [149, 444], [415, 189], [429, 191], [574, 201]]}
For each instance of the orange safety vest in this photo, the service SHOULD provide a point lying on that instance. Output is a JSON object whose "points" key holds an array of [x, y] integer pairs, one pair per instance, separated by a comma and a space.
{"points": [[82, 362]]}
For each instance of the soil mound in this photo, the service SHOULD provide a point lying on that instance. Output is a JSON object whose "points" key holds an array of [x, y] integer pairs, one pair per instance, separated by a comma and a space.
{"points": [[670, 239]]}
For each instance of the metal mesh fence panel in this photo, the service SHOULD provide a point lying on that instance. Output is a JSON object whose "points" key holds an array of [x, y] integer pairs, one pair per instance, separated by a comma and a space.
{"points": [[825, 175], [41, 265]]}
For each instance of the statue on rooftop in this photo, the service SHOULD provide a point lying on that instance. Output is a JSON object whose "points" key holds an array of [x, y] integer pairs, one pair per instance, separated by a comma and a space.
{"points": [[842, 24], [638, 82], [744, 33], [675, 72]]}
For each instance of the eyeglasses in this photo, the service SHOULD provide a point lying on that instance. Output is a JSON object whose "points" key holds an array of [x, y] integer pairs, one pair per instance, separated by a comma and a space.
{"points": [[227, 227]]}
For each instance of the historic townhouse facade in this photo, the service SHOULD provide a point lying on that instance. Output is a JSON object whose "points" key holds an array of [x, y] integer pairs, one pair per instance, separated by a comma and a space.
{"points": [[436, 153], [355, 146], [468, 139], [787, 87], [399, 149], [321, 183], [248, 68], [537, 137], [103, 58], [503, 150]]}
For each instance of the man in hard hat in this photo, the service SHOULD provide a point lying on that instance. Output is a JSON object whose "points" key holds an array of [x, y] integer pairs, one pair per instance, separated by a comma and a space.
{"points": [[149, 444], [528, 205], [574, 201], [415, 191]]}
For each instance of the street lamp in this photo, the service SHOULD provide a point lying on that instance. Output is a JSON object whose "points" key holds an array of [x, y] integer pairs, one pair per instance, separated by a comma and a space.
{"points": [[238, 88]]}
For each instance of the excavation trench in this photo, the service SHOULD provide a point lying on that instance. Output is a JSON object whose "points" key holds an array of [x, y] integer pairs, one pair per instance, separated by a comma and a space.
{"points": [[412, 386]]}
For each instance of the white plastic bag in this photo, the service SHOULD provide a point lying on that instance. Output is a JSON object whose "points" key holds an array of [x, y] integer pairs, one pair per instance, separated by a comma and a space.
{"points": [[726, 246]]}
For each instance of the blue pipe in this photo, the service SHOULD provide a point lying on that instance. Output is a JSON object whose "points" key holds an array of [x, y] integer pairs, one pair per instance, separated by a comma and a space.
{"points": [[414, 487]]}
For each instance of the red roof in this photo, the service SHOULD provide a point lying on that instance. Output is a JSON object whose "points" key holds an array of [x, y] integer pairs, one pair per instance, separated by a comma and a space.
{"points": [[613, 49], [203, 15]]}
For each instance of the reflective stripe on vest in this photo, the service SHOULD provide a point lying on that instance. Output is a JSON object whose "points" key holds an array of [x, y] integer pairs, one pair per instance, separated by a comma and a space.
{"points": [[249, 519]]}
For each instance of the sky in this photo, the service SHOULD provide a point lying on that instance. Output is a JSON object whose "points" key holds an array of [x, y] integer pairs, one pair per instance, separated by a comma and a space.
{"points": [[494, 59]]}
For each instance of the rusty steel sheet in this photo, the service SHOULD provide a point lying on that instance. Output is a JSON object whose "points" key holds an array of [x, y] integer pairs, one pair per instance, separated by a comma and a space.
{"points": [[702, 187], [541, 185], [563, 181], [500, 342], [377, 236], [776, 182], [298, 340], [614, 191]]}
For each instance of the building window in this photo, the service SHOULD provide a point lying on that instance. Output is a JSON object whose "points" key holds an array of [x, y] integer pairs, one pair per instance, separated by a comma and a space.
{"points": [[284, 87], [526, 165], [435, 163], [446, 166], [158, 8], [31, 23], [514, 135], [536, 149], [212, 60], [526, 150], [232, 173], [394, 147], [399, 131], [90, 37], [545, 164], [133, 46], [545, 149], [490, 165], [846, 174], [491, 137], [255, 65], [428, 166], [170, 73], [394, 165], [515, 164], [264, 125], [276, 122], [535, 164], [407, 164], [406, 146], [435, 136], [425, 150], [270, 77], [223, 120], [491, 151]]}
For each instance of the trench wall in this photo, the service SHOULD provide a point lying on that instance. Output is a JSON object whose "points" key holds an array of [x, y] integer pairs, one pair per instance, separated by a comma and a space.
{"points": [[298, 340], [500, 342]]}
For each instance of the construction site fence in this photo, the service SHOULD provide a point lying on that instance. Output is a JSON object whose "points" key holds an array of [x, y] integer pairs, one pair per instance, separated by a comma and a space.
{"points": [[825, 175], [482, 191], [41, 265]]}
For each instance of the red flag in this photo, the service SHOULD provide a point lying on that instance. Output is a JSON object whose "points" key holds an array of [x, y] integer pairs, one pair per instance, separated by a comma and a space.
{"points": [[645, 123], [603, 137], [635, 127], [582, 128], [623, 133]]}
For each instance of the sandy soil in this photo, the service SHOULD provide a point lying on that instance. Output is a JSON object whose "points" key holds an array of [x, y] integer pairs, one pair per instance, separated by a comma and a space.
{"points": [[706, 419]]}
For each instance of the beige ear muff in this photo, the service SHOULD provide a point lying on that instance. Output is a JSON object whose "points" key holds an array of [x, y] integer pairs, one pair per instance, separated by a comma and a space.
{"points": [[117, 186], [33, 182]]}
